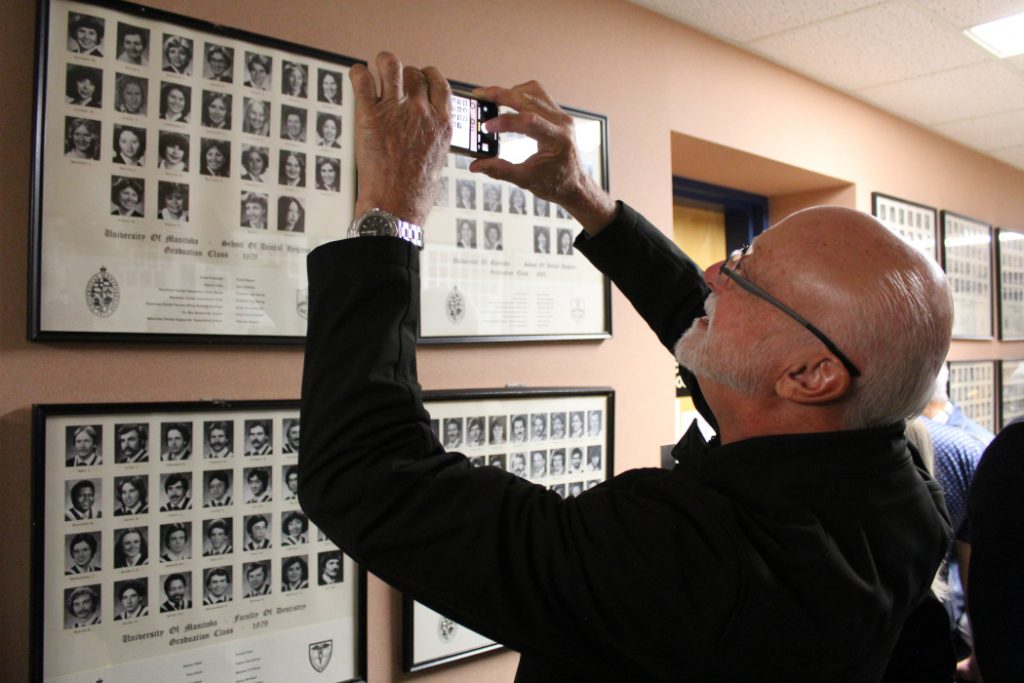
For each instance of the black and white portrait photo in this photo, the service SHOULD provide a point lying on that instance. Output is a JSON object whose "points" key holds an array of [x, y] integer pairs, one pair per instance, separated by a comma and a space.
{"points": [[131, 599], [82, 553], [176, 542], [257, 579], [217, 585], [492, 197], [82, 606], [254, 163], [594, 422], [217, 488], [293, 123], [517, 464], [291, 214], [290, 431], [329, 85], [594, 459], [174, 151], [541, 207], [465, 237], [328, 130], [290, 477], [561, 213], [131, 495], [541, 239], [215, 157], [127, 196], [259, 70], [259, 437], [442, 192], [558, 488], [557, 467], [129, 145], [565, 241], [82, 500], [131, 94], [294, 528], [516, 201], [475, 431], [462, 162], [172, 201], [575, 460], [292, 168], [557, 426], [329, 564], [497, 429], [492, 236], [216, 111], [576, 428], [131, 547], [294, 79], [497, 461], [177, 592], [217, 537], [83, 445], [219, 437], [256, 117], [294, 573], [453, 432], [219, 62], [538, 426], [84, 86], [176, 438], [519, 426], [175, 102], [85, 34], [465, 194], [328, 174], [257, 485], [176, 489], [81, 138], [177, 55], [257, 532], [132, 44], [538, 464], [254, 210]]}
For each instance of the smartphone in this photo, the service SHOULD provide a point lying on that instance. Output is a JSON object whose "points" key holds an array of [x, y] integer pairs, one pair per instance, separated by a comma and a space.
{"points": [[468, 116]]}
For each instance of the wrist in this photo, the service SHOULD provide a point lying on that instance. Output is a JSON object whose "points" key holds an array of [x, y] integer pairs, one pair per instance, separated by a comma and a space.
{"points": [[403, 210], [592, 207]]}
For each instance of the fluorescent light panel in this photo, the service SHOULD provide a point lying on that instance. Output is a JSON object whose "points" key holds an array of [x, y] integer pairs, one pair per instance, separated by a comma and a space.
{"points": [[1003, 37]]}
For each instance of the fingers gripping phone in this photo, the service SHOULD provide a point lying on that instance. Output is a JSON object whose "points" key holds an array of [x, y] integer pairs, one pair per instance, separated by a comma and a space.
{"points": [[468, 135]]}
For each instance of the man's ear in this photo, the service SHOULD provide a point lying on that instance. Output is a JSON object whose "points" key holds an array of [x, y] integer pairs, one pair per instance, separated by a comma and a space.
{"points": [[822, 380]]}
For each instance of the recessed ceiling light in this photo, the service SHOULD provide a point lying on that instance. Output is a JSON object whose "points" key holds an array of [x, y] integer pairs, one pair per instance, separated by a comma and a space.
{"points": [[1003, 37]]}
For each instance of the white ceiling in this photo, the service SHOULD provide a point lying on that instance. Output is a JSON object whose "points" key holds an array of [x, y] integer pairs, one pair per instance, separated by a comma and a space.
{"points": [[908, 57]]}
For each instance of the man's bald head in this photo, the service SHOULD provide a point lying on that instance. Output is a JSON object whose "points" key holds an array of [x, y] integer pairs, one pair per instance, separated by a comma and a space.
{"points": [[886, 305]]}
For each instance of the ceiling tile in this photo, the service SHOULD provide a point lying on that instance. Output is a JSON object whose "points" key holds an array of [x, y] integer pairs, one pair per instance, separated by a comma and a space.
{"points": [[877, 45], [744, 20], [964, 14], [1013, 156], [954, 95], [987, 133]]}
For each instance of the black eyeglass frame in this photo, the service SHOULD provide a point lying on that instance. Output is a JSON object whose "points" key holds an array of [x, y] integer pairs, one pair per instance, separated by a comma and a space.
{"points": [[730, 272]]}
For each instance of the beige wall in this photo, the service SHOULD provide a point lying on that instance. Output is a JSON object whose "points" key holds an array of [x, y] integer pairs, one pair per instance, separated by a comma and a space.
{"points": [[649, 76]]}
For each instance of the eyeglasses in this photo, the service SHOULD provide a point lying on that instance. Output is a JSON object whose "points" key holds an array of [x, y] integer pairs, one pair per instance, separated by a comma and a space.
{"points": [[728, 268]]}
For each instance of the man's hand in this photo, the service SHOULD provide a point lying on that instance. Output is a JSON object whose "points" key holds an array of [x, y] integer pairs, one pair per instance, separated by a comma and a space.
{"points": [[401, 137], [554, 172]]}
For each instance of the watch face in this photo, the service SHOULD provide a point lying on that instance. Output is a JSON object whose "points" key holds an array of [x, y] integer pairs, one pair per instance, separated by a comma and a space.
{"points": [[375, 225]]}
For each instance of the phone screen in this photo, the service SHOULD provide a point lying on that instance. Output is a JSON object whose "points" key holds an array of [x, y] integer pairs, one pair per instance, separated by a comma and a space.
{"points": [[468, 136]]}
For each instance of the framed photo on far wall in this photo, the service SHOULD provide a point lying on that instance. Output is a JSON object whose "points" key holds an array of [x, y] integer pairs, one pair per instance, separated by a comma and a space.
{"points": [[499, 263], [916, 223], [1011, 390], [181, 173], [1010, 283], [558, 438], [972, 386], [967, 259], [168, 544]]}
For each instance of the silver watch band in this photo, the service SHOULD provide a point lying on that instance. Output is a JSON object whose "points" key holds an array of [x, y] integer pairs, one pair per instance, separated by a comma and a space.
{"points": [[410, 232]]}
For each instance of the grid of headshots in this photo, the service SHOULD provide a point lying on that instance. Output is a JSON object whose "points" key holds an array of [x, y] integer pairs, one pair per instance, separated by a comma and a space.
{"points": [[184, 513], [493, 215], [972, 387], [561, 449], [172, 113]]}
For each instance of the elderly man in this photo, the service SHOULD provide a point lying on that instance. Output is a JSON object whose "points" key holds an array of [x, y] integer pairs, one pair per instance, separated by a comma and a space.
{"points": [[790, 548]]}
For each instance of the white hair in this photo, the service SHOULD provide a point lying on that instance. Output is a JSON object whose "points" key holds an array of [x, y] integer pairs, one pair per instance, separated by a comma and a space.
{"points": [[904, 344]]}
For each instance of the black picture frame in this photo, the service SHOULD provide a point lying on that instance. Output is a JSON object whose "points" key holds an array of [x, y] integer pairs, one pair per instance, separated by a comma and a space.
{"points": [[916, 223], [466, 295], [80, 280], [1011, 390], [310, 623], [1010, 284], [974, 387], [967, 258], [455, 642]]}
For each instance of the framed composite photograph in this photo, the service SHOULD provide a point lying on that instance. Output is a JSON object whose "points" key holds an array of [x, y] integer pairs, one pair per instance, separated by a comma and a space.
{"points": [[499, 263], [181, 173], [559, 438], [169, 545], [972, 386], [967, 260], [916, 223], [1010, 283], [1011, 391]]}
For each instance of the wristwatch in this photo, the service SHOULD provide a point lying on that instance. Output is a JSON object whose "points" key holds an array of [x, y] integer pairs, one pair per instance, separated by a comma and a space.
{"points": [[380, 223]]}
